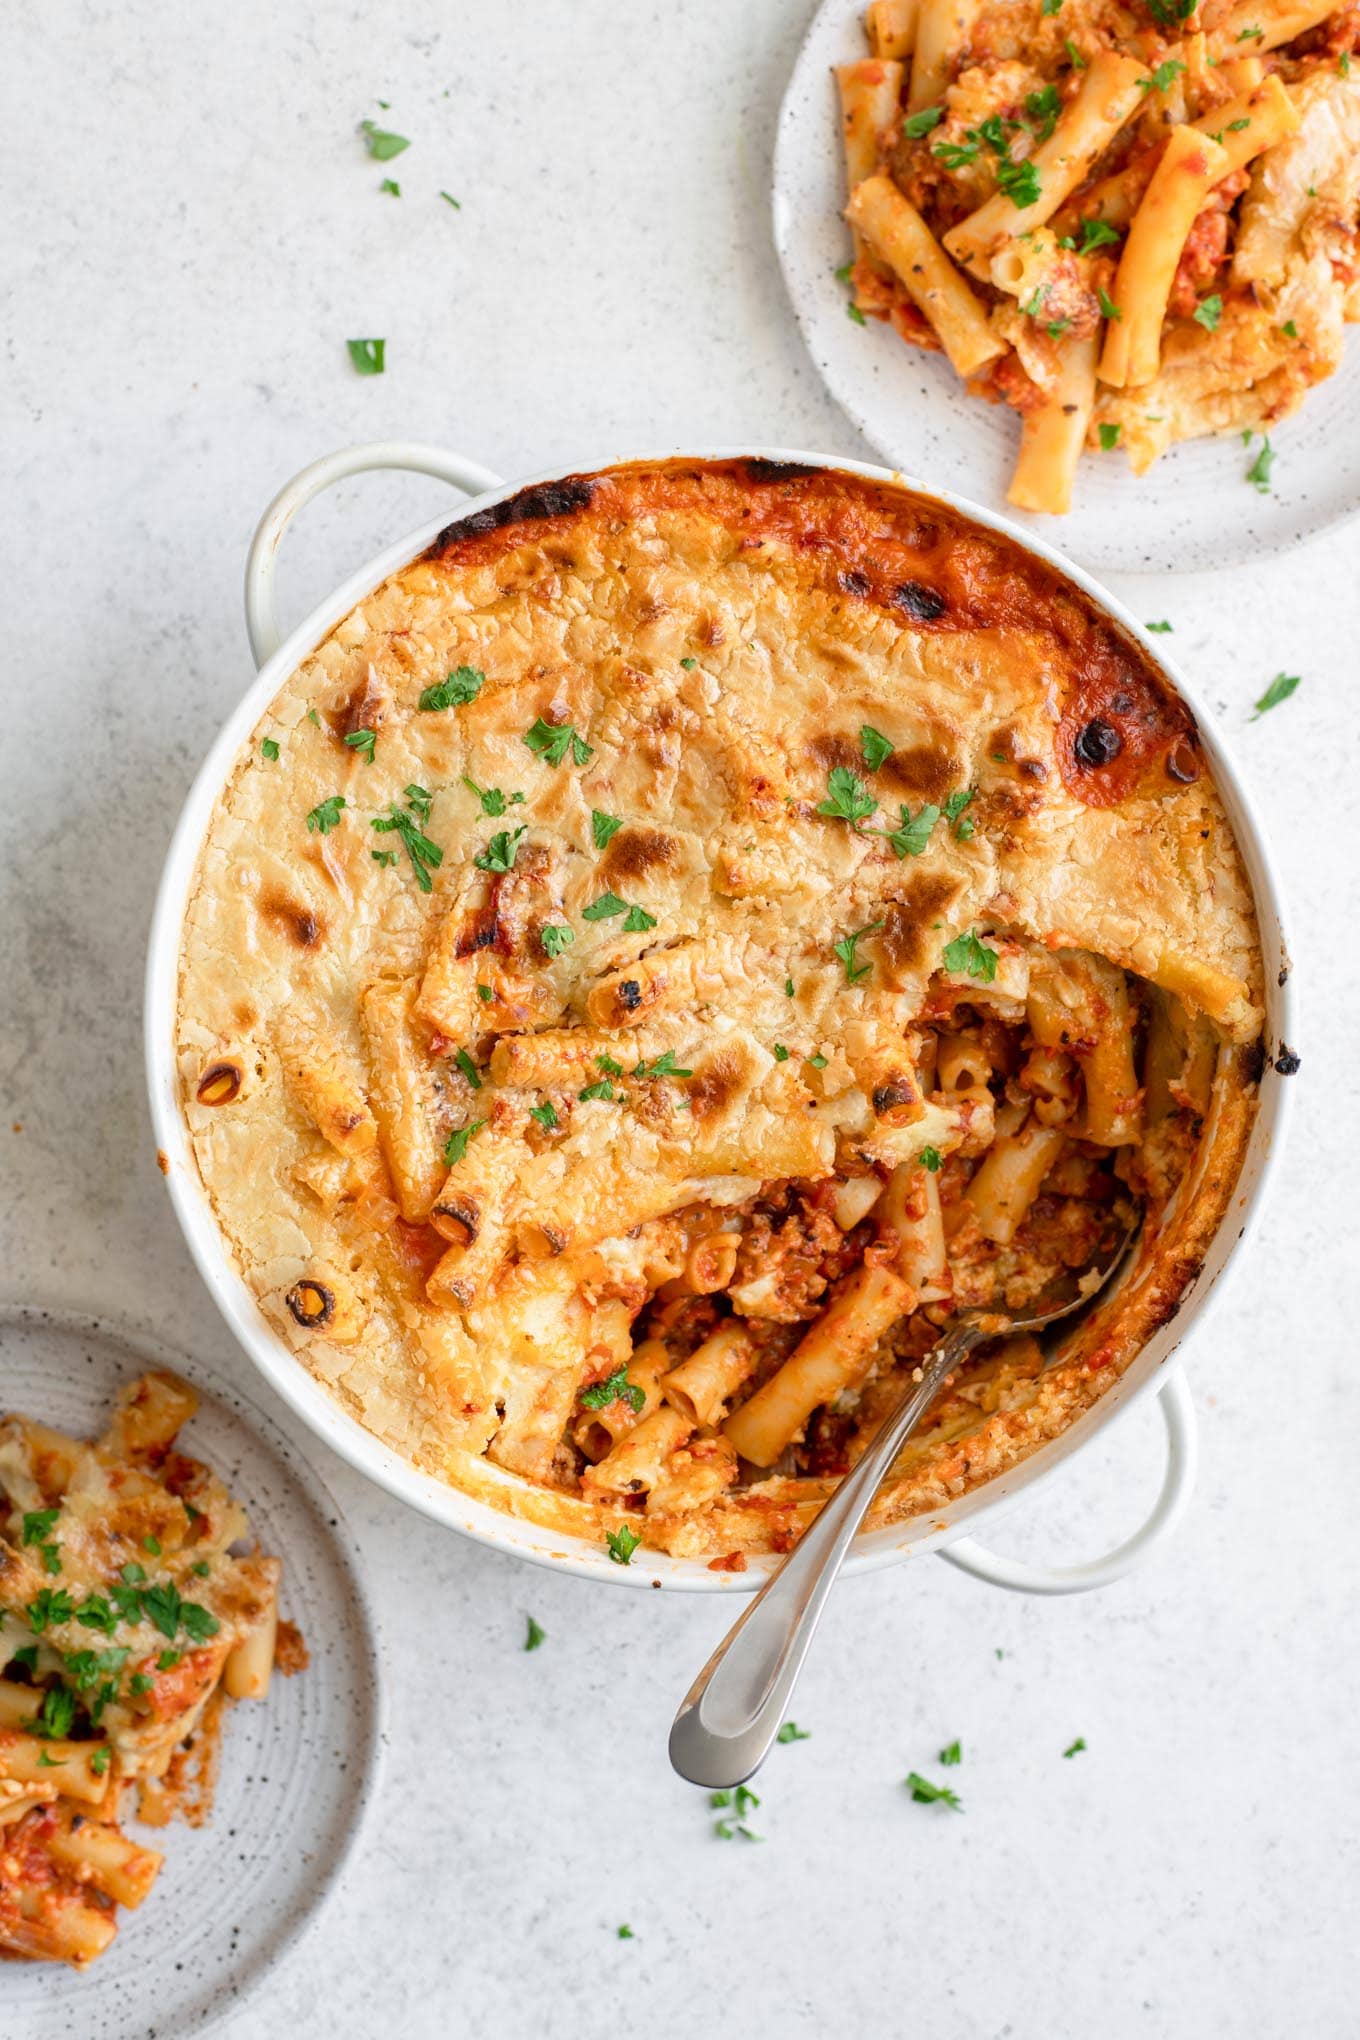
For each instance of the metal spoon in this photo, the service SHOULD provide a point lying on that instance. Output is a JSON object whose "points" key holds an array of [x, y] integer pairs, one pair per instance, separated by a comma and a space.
{"points": [[733, 1711]]}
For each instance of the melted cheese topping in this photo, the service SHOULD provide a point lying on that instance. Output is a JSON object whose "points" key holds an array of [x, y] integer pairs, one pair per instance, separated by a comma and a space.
{"points": [[604, 943]]}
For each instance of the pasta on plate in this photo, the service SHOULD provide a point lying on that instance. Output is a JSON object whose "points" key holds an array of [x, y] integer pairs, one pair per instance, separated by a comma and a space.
{"points": [[672, 946], [126, 1623], [1135, 223]]}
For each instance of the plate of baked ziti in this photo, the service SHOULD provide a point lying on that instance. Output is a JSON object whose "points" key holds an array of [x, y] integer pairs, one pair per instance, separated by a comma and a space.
{"points": [[1088, 261], [189, 1700]]}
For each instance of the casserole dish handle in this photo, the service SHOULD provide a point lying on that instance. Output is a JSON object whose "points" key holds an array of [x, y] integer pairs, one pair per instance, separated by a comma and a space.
{"points": [[262, 623], [1178, 1413]]}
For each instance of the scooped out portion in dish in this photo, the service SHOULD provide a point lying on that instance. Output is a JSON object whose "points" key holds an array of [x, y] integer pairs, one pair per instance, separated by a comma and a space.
{"points": [[675, 945]]}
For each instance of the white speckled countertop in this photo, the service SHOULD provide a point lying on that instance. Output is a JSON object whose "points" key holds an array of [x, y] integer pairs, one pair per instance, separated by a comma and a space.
{"points": [[195, 231]]}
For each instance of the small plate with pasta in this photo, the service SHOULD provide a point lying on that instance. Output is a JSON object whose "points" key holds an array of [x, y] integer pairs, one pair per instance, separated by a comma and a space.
{"points": [[1089, 260], [189, 1698]]}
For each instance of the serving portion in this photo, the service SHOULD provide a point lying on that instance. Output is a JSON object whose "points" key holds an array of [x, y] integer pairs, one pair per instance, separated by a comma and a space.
{"points": [[1134, 225], [672, 947], [127, 1622]]}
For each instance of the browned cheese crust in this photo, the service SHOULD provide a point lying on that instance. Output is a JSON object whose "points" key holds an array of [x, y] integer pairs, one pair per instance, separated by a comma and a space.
{"points": [[384, 1083]]}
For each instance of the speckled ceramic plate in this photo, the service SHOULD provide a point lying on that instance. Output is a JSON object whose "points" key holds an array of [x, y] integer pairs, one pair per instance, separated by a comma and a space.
{"points": [[1195, 508], [298, 1770]]}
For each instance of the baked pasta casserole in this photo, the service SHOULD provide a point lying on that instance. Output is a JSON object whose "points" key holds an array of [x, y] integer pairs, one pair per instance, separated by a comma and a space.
{"points": [[126, 1622], [1134, 220], [674, 945]]}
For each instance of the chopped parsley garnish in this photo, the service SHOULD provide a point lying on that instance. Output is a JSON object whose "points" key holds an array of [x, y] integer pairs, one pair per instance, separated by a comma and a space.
{"points": [[49, 1605], [1074, 55], [368, 355], [139, 1683], [604, 908], [269, 749], [1280, 689], [485, 994], [818, 1061], [462, 685], [152, 1545], [929, 1158], [545, 1114], [1096, 234], [456, 1146], [1258, 474], [912, 834], [953, 810], [664, 1066], [326, 815], [1043, 108], [1159, 628], [740, 1801], [162, 1605], [874, 745], [449, 199], [1343, 63], [95, 1613], [382, 145], [780, 1053], [602, 1089], [387, 858], [1163, 78], [28, 1658], [101, 1758], [622, 1544], [626, 1933], [552, 741], [952, 1753], [615, 1387], [1208, 313], [55, 1717], [391, 184], [1051, 7], [929, 1795], [848, 798], [690, 664], [39, 1524], [791, 1732], [499, 854], [1108, 308], [845, 950], [201, 1570], [494, 802], [969, 957], [854, 314], [168, 1659], [638, 921], [1246, 34], [1172, 12], [610, 1067], [365, 741], [603, 828], [555, 937], [1290, 329], [533, 1635], [1075, 1749], [956, 155], [788, 988], [1019, 182], [425, 856], [469, 1068], [132, 1575], [1109, 437], [88, 1667], [918, 124]]}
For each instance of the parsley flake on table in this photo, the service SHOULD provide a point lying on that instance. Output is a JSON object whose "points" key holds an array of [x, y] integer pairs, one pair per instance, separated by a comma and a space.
{"points": [[740, 1802], [952, 1753], [615, 1387], [493, 801], [845, 951], [875, 746], [368, 356], [917, 125], [927, 1794], [456, 1146], [545, 1114], [390, 184], [848, 798], [854, 314], [533, 1635], [1074, 1749], [325, 816], [363, 741], [791, 1732], [459, 687], [269, 749], [382, 145], [603, 828], [449, 199], [969, 957], [1280, 689], [625, 1933], [1159, 628], [555, 937], [552, 741], [499, 854], [622, 1543], [1258, 474]]}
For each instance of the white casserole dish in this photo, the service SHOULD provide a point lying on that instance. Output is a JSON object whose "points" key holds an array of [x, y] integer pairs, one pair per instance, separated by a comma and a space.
{"points": [[951, 1532]]}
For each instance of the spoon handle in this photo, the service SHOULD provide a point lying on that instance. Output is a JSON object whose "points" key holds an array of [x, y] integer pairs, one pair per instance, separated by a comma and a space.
{"points": [[735, 1707]]}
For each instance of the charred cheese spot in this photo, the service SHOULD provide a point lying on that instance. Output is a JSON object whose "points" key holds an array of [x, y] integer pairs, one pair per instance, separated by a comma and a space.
{"points": [[830, 751], [909, 941], [547, 499], [364, 708], [921, 604], [636, 852], [713, 1088], [922, 772], [294, 920]]}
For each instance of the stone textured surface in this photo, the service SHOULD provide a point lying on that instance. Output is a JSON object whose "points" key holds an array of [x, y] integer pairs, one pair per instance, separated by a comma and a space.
{"points": [[195, 232]]}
